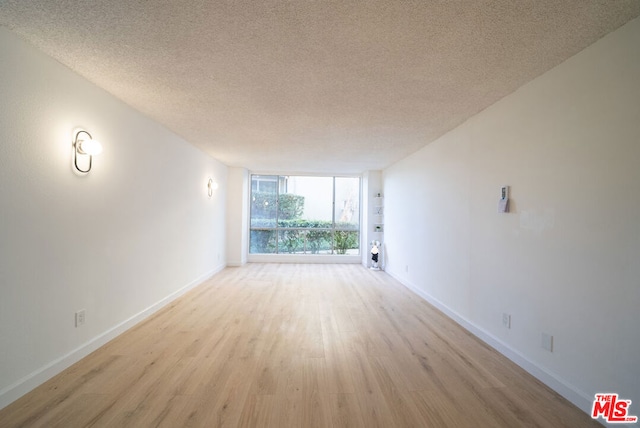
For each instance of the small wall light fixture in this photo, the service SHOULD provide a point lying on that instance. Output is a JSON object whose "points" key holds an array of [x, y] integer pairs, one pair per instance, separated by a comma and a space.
{"points": [[211, 186], [84, 149]]}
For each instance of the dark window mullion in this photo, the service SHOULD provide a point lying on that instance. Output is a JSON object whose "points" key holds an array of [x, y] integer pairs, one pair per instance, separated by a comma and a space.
{"points": [[277, 212], [333, 218]]}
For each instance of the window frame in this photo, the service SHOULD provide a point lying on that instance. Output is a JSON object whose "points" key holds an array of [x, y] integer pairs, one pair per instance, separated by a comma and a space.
{"points": [[305, 256]]}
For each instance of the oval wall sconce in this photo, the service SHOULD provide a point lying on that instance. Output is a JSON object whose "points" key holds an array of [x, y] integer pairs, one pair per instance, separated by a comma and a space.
{"points": [[84, 149], [211, 186]]}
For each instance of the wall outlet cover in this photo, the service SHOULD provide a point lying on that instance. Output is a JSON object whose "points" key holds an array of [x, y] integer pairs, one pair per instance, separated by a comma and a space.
{"points": [[547, 342], [506, 320], [80, 317]]}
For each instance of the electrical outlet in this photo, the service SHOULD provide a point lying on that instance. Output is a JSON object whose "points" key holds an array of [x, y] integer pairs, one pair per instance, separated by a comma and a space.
{"points": [[547, 342], [406, 268], [80, 317], [506, 320]]}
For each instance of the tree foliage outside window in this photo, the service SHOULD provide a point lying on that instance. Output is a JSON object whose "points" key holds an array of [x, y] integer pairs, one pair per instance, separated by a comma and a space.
{"points": [[290, 206], [265, 204], [305, 215], [345, 240]]}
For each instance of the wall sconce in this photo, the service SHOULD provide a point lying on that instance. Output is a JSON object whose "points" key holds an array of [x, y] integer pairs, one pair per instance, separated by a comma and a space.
{"points": [[84, 149], [211, 186]]}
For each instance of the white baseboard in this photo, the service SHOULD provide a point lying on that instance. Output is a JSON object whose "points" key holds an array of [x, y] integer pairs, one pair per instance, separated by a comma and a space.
{"points": [[304, 258], [11, 393], [578, 398]]}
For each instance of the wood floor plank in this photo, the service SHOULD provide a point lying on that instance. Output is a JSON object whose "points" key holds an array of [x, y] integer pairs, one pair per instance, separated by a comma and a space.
{"points": [[374, 411], [345, 412], [257, 411], [294, 345]]}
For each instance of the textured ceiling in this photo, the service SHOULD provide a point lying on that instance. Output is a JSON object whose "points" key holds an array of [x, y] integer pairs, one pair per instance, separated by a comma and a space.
{"points": [[312, 86]]}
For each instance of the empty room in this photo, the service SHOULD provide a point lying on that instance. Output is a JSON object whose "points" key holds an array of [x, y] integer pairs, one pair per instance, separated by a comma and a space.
{"points": [[205, 211]]}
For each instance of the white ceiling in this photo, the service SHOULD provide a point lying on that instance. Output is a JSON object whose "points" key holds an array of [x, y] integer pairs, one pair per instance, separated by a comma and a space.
{"points": [[312, 86]]}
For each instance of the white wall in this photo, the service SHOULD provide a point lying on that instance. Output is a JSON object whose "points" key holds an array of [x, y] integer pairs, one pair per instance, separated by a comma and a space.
{"points": [[565, 261], [119, 242], [237, 216]]}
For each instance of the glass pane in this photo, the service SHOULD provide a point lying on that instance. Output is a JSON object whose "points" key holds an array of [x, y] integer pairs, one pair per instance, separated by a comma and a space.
{"points": [[264, 192], [318, 241], [305, 202], [262, 241], [347, 242], [347, 203], [291, 241]]}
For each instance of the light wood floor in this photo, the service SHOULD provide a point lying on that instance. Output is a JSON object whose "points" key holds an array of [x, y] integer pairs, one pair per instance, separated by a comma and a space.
{"points": [[270, 345]]}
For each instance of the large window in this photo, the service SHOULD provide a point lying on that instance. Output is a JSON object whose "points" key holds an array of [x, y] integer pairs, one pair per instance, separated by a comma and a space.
{"points": [[304, 215]]}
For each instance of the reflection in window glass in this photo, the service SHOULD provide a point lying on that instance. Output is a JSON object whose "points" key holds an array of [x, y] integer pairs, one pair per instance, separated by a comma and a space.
{"points": [[347, 206], [264, 203], [262, 241]]}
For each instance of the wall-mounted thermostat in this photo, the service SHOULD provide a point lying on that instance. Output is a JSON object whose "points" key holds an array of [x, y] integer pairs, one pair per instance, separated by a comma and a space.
{"points": [[504, 192], [503, 203]]}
